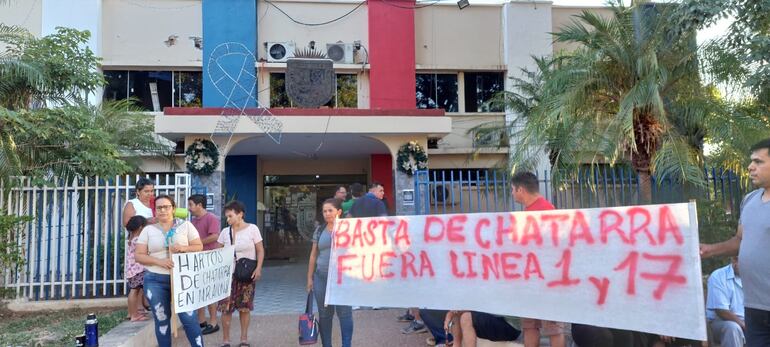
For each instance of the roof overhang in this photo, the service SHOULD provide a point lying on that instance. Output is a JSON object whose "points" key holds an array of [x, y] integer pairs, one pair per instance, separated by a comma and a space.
{"points": [[175, 123]]}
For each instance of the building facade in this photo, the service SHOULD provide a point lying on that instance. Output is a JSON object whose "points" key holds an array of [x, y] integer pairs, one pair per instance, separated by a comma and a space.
{"points": [[405, 71]]}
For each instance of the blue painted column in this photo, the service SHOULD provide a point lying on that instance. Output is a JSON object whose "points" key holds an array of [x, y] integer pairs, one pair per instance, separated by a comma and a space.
{"points": [[229, 50], [241, 183]]}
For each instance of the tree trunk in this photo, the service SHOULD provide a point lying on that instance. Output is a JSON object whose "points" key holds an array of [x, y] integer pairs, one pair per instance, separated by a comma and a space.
{"points": [[645, 187], [647, 132]]}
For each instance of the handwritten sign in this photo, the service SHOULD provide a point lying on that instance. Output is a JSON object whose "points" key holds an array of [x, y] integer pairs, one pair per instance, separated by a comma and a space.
{"points": [[635, 268], [201, 278]]}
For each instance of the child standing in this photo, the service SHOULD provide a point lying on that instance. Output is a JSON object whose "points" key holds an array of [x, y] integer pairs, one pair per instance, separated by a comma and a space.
{"points": [[135, 271]]}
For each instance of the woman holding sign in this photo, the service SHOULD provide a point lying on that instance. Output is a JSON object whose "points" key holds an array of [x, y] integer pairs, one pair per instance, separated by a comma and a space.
{"points": [[249, 254], [318, 273], [153, 250]]}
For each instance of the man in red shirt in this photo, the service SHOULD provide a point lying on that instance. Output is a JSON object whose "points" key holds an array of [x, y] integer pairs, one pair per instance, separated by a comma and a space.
{"points": [[525, 189], [208, 226]]}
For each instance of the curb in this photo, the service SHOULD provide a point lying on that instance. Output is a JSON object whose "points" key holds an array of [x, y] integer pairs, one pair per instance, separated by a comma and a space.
{"points": [[130, 334], [54, 305]]}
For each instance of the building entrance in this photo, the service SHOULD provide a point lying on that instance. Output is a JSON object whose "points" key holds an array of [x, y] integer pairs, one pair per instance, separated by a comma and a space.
{"points": [[293, 204]]}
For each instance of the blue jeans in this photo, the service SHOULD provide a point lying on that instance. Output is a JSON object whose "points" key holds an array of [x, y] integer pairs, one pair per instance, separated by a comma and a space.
{"points": [[757, 328], [326, 313], [157, 289], [434, 321]]}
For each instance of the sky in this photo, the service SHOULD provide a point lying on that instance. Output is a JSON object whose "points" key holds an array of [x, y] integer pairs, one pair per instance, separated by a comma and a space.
{"points": [[703, 35]]}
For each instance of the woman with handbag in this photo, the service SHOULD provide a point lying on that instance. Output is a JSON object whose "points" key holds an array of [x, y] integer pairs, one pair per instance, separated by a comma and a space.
{"points": [[318, 273], [249, 254], [154, 246]]}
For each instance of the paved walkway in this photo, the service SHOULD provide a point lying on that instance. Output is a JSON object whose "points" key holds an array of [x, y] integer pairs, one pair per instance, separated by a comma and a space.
{"points": [[280, 298], [281, 289], [371, 328]]}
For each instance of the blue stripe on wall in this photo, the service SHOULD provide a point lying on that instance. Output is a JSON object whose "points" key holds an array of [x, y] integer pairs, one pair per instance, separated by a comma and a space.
{"points": [[241, 182], [229, 49]]}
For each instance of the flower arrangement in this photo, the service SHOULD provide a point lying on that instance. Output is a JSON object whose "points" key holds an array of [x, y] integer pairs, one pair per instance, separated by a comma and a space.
{"points": [[411, 158], [202, 157]]}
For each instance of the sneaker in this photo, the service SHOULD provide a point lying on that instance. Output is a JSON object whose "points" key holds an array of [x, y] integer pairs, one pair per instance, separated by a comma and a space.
{"points": [[414, 327], [431, 341], [209, 329], [406, 317]]}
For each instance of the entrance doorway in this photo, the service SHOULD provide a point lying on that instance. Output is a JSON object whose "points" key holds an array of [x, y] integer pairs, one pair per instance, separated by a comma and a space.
{"points": [[293, 204]]}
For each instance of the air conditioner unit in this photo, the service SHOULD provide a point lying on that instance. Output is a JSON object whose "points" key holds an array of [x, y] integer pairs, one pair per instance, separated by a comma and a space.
{"points": [[340, 53], [279, 52]]}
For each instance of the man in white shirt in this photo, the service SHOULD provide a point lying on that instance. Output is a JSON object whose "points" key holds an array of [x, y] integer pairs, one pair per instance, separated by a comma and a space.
{"points": [[724, 305]]}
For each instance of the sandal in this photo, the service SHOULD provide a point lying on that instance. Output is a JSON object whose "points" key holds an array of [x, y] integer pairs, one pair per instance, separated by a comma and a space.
{"points": [[140, 319]]}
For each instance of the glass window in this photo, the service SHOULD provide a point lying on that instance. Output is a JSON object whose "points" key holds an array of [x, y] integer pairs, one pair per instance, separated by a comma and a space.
{"points": [[480, 87], [188, 87], [152, 89], [437, 91], [117, 85], [278, 96], [347, 91], [346, 96]]}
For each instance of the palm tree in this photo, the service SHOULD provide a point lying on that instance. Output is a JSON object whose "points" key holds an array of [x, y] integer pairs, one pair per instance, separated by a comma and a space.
{"points": [[74, 138], [629, 94], [16, 72]]}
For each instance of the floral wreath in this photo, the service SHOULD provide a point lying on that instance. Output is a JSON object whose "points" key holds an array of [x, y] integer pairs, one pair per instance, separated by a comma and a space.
{"points": [[202, 157], [411, 158]]}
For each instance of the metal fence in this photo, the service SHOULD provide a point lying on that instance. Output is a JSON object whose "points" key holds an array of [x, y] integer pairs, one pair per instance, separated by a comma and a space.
{"points": [[75, 245], [484, 190]]}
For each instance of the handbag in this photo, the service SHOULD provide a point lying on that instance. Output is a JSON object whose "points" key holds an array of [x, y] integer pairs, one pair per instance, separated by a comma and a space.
{"points": [[244, 267], [308, 323]]}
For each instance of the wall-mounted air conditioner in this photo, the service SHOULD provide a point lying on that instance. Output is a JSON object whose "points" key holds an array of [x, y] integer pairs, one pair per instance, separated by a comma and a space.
{"points": [[279, 52], [340, 53]]}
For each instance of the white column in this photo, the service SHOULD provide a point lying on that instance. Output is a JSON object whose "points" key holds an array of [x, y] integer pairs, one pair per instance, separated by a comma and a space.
{"points": [[526, 28]]}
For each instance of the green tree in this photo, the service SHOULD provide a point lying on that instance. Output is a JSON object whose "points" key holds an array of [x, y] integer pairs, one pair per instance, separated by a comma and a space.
{"points": [[49, 131], [47, 127], [630, 93], [66, 66], [735, 67]]}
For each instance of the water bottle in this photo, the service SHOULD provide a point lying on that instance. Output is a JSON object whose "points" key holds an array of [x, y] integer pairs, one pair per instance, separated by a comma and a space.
{"points": [[92, 331]]}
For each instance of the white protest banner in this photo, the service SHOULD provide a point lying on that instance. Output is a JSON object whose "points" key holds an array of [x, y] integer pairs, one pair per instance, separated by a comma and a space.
{"points": [[201, 278], [635, 268]]}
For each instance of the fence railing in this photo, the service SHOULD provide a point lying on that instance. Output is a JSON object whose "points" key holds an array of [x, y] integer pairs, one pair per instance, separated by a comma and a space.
{"points": [[480, 190], [75, 245]]}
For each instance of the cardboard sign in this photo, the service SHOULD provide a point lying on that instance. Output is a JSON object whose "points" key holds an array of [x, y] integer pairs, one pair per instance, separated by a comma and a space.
{"points": [[201, 278], [634, 268]]}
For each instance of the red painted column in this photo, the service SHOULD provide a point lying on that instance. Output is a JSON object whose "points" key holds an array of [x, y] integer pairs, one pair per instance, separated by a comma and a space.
{"points": [[382, 171], [391, 54], [392, 72]]}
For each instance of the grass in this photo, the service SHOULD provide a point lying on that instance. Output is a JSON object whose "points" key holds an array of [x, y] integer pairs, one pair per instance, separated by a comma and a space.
{"points": [[52, 328]]}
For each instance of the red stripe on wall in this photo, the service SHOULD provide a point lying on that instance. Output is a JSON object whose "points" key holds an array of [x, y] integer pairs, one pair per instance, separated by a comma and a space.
{"points": [[391, 54]]}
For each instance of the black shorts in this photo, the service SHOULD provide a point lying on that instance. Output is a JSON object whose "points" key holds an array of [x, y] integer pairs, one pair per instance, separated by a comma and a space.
{"points": [[493, 328]]}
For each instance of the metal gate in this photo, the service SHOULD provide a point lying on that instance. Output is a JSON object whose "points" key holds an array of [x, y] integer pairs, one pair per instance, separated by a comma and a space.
{"points": [[75, 245]]}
